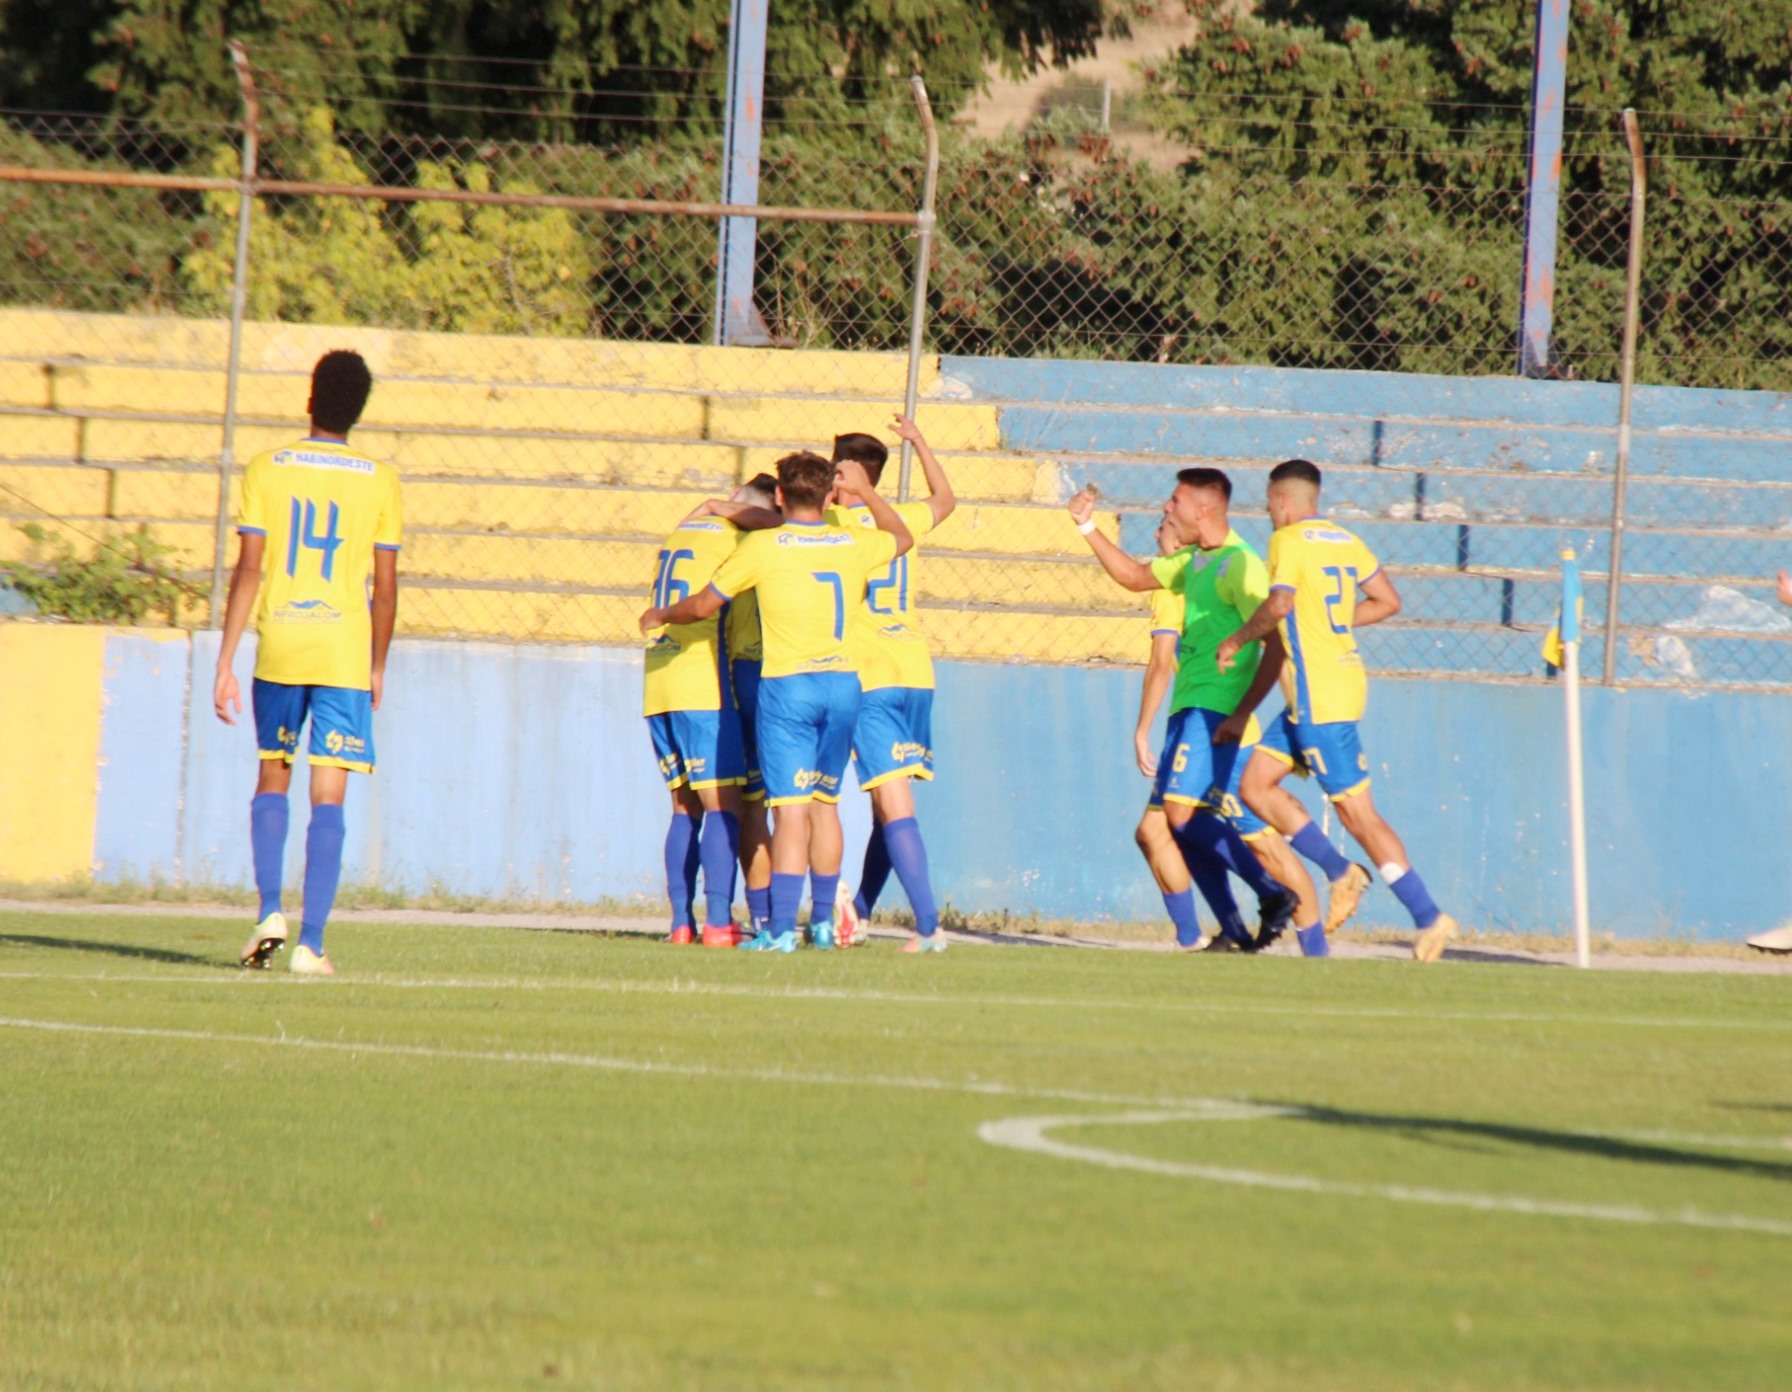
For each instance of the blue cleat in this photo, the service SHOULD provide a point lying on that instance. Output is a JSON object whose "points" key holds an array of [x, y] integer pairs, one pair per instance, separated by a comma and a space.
{"points": [[767, 941], [821, 935]]}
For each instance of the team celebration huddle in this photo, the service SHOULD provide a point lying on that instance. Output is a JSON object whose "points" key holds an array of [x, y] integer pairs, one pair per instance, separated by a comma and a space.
{"points": [[783, 645]]}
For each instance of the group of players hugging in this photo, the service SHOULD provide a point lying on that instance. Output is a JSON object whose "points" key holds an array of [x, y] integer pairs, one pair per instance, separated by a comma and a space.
{"points": [[782, 644]]}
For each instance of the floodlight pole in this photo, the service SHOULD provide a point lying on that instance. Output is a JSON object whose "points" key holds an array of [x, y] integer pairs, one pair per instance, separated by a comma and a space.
{"points": [[239, 297], [1633, 287], [917, 321]]}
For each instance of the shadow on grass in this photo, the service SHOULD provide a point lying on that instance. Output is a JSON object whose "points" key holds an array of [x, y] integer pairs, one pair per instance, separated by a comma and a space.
{"points": [[1444, 1131], [140, 954]]}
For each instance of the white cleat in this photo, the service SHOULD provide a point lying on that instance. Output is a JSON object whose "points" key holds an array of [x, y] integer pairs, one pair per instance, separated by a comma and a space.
{"points": [[1776, 940], [305, 962], [267, 939]]}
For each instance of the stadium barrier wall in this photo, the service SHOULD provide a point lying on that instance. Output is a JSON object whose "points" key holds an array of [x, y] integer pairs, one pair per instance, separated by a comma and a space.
{"points": [[524, 771]]}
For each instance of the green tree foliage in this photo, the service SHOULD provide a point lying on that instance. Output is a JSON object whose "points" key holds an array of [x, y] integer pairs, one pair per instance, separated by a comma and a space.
{"points": [[121, 582]]}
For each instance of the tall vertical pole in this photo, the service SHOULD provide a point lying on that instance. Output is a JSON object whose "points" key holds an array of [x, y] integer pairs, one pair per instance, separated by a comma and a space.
{"points": [[737, 318], [1633, 290], [239, 298], [1543, 189], [1577, 793], [917, 319]]}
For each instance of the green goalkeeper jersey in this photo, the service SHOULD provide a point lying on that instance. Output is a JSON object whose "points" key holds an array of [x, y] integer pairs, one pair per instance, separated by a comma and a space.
{"points": [[1220, 589]]}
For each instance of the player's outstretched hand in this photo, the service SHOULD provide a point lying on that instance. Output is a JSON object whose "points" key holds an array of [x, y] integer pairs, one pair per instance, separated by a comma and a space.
{"points": [[1230, 730], [227, 696], [1227, 654], [1082, 504], [1785, 588], [851, 482], [650, 620], [1141, 749], [906, 429]]}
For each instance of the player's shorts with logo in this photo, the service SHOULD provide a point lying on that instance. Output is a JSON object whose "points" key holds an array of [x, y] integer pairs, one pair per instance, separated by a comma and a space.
{"points": [[805, 735], [893, 736], [745, 674], [1332, 753], [1193, 769], [341, 723], [698, 748]]}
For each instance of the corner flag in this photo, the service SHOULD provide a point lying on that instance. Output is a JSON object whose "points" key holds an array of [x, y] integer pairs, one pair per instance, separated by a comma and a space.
{"points": [[1566, 628]]}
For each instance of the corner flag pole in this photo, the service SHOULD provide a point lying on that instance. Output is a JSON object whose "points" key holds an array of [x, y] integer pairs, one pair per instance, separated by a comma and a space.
{"points": [[1577, 799]]}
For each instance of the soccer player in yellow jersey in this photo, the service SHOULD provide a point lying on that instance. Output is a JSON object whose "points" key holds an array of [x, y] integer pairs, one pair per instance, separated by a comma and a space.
{"points": [[808, 575], [740, 629], [688, 699], [1324, 585], [325, 520], [893, 737]]}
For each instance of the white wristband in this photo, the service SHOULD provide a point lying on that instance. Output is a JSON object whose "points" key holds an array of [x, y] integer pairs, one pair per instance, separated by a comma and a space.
{"points": [[1086, 527]]}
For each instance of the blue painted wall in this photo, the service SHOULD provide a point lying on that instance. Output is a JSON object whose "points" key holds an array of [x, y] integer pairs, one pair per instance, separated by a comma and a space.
{"points": [[525, 771]]}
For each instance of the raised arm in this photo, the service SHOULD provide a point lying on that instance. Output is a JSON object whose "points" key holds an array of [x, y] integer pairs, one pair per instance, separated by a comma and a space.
{"points": [[1160, 671], [941, 500], [1380, 601], [1260, 625], [854, 486], [1126, 571], [749, 517]]}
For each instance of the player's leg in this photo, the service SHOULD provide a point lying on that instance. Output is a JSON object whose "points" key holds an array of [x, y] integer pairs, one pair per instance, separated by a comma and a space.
{"points": [[755, 824], [1164, 859], [838, 709], [1213, 851], [680, 850], [789, 728], [717, 772], [341, 742], [1364, 822], [893, 744], [893, 803], [1260, 789], [1265, 844], [1184, 771], [279, 715]]}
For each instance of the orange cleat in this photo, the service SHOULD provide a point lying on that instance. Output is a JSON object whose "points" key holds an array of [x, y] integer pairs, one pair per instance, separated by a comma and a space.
{"points": [[681, 936]]}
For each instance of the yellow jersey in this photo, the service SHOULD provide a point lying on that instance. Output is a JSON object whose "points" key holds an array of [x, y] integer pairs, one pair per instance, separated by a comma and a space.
{"points": [[1166, 612], [324, 509], [740, 629], [684, 661], [1325, 566], [810, 577], [888, 644]]}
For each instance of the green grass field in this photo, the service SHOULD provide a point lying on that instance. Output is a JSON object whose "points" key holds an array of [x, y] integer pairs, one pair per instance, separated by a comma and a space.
{"points": [[486, 1159]]}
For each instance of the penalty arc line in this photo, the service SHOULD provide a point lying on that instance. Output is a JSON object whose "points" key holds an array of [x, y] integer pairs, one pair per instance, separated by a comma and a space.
{"points": [[1028, 1134]]}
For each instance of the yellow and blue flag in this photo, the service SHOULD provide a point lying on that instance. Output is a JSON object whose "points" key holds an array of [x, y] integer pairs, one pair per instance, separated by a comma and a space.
{"points": [[1566, 628]]}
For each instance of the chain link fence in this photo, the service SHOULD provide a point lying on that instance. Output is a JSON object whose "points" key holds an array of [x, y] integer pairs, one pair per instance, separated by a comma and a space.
{"points": [[549, 387]]}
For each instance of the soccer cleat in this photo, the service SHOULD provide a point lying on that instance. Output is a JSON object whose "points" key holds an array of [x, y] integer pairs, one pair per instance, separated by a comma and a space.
{"points": [[821, 936], [1202, 943], [1274, 916], [305, 962], [731, 936], [681, 936], [933, 942], [1221, 943], [1776, 940], [267, 939], [1346, 894], [767, 941], [848, 930], [1430, 943]]}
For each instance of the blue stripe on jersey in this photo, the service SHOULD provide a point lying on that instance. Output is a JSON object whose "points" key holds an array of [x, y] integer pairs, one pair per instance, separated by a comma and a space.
{"points": [[1302, 696]]}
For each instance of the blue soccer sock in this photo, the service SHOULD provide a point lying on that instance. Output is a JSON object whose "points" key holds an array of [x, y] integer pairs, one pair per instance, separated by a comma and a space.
{"points": [[1210, 878], [876, 873], [759, 905], [323, 871], [823, 889], [269, 816], [681, 867], [908, 854], [1206, 832], [1316, 846], [1410, 890], [1312, 941], [1181, 907], [786, 895], [719, 850]]}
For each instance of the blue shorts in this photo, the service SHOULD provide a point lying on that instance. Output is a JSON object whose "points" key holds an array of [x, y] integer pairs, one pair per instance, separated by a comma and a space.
{"points": [[1194, 770], [699, 748], [893, 736], [1332, 753], [805, 735], [341, 723], [745, 671]]}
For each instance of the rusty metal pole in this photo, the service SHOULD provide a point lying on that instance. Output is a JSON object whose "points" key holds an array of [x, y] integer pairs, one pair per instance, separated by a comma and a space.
{"points": [[1633, 285], [239, 297], [917, 323]]}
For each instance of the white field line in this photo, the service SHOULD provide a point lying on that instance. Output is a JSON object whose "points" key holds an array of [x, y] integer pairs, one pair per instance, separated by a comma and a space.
{"points": [[1029, 1134], [1192, 1006]]}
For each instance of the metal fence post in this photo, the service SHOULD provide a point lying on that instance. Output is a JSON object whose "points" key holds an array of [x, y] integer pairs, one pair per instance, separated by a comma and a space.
{"points": [[917, 322], [1633, 282], [738, 320], [239, 296]]}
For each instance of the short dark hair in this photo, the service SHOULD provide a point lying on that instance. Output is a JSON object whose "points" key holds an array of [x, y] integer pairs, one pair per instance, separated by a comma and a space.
{"points": [[868, 450], [1296, 471], [806, 479], [1206, 478], [340, 384], [761, 489]]}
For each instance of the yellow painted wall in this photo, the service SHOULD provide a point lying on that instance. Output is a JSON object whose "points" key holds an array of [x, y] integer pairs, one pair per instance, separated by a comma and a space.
{"points": [[50, 692]]}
